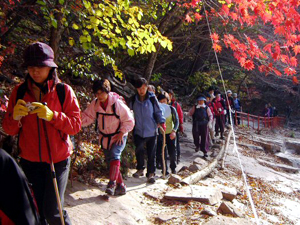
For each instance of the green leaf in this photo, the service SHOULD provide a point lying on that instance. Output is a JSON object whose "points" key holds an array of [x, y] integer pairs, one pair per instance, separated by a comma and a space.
{"points": [[75, 26], [61, 2], [41, 2], [130, 52], [54, 23], [71, 41]]}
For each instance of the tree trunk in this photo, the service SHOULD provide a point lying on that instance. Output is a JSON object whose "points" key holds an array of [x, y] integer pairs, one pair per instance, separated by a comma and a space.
{"points": [[55, 35], [153, 56]]}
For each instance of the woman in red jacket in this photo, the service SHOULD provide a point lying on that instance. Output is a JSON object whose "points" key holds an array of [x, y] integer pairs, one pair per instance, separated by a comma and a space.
{"points": [[43, 127]]}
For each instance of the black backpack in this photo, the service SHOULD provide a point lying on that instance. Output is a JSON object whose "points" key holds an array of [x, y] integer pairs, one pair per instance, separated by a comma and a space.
{"points": [[200, 115]]}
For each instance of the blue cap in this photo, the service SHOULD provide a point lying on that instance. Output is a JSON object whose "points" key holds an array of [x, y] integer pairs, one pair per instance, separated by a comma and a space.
{"points": [[201, 98]]}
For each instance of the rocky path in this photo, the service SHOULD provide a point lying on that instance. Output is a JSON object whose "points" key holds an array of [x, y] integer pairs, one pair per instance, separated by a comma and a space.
{"points": [[275, 192]]}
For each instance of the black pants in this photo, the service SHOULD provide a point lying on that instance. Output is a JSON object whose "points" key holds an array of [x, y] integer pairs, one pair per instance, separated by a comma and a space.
{"points": [[39, 175], [169, 149], [201, 137], [219, 125], [16, 200], [178, 152], [140, 151]]}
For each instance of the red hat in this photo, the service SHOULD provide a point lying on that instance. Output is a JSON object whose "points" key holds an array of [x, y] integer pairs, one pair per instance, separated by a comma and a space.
{"points": [[39, 54]]}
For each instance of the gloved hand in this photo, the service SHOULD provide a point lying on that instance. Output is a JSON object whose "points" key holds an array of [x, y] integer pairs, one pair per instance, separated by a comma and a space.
{"points": [[20, 110], [163, 125], [173, 135], [42, 111], [181, 128]]}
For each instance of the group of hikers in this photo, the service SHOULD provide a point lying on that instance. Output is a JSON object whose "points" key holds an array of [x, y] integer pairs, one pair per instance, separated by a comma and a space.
{"points": [[44, 112]]}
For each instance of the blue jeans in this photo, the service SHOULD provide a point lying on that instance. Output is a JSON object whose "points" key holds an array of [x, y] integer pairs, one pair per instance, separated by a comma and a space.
{"points": [[40, 176], [115, 152]]}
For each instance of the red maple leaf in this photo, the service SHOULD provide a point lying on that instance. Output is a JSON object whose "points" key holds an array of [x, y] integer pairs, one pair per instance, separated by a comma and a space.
{"points": [[249, 65], [215, 37], [297, 49], [295, 80], [293, 61], [198, 16], [188, 18], [289, 71], [262, 38], [217, 48]]}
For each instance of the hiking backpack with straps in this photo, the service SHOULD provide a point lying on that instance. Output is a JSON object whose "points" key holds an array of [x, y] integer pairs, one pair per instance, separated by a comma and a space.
{"points": [[109, 136]]}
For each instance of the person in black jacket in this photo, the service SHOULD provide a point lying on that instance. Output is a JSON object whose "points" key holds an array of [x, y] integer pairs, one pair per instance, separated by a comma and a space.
{"points": [[16, 200]]}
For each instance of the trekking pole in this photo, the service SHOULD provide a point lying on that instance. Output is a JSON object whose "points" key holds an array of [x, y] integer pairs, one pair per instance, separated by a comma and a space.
{"points": [[54, 176], [163, 150]]}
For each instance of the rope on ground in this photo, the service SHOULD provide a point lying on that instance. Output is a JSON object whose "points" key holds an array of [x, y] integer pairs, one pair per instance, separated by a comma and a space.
{"points": [[234, 140]]}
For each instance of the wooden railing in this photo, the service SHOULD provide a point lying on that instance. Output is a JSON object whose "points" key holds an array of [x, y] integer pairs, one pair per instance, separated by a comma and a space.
{"points": [[258, 122]]}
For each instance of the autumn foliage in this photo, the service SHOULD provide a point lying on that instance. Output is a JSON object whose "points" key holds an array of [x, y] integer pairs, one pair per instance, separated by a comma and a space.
{"points": [[261, 34]]}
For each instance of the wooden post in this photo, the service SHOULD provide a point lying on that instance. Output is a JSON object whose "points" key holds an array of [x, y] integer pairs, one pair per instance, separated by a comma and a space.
{"points": [[248, 119]]}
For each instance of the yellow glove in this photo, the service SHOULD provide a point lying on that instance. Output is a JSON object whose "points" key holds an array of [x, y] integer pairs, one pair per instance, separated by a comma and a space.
{"points": [[42, 111], [20, 110]]}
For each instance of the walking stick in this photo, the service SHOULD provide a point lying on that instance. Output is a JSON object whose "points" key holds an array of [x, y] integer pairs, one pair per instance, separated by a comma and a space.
{"points": [[163, 150], [54, 175]]}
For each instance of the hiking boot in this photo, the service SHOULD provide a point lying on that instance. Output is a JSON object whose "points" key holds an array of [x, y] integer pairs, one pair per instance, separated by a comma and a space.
{"points": [[173, 171], [222, 138], [158, 166], [205, 155], [120, 189], [151, 179], [110, 189], [197, 149], [138, 174]]}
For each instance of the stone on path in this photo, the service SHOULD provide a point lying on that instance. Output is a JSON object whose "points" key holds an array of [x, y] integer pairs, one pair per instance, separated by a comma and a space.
{"points": [[253, 147], [174, 179], [152, 194], [227, 208], [201, 162], [228, 193], [208, 210], [163, 218], [195, 167], [293, 145], [207, 195], [223, 220], [290, 159], [275, 166]]}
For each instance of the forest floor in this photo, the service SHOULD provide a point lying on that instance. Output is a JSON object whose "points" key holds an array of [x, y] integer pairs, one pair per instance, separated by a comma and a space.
{"points": [[275, 191]]}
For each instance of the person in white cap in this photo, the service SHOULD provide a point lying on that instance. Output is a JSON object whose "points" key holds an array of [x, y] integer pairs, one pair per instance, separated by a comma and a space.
{"points": [[229, 106]]}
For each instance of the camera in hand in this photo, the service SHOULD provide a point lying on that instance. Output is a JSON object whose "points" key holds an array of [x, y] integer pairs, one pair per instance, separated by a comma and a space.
{"points": [[30, 107]]}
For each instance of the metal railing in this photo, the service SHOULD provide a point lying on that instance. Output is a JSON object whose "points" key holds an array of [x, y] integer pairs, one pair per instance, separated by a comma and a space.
{"points": [[258, 122]]}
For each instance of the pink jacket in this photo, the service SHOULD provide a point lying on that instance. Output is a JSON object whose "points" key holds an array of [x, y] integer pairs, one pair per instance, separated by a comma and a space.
{"points": [[111, 123]]}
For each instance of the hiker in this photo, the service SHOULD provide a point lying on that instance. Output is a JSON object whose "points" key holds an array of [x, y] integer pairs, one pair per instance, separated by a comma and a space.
{"points": [[151, 88], [17, 204], [266, 112], [113, 122], [148, 116], [288, 112], [179, 111], [270, 110], [237, 108], [172, 124], [211, 92], [229, 107], [219, 111], [211, 124], [275, 112], [202, 115], [44, 122]]}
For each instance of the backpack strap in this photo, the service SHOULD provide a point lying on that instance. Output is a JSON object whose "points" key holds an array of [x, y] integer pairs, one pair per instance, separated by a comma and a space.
{"points": [[21, 91], [61, 93]]}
